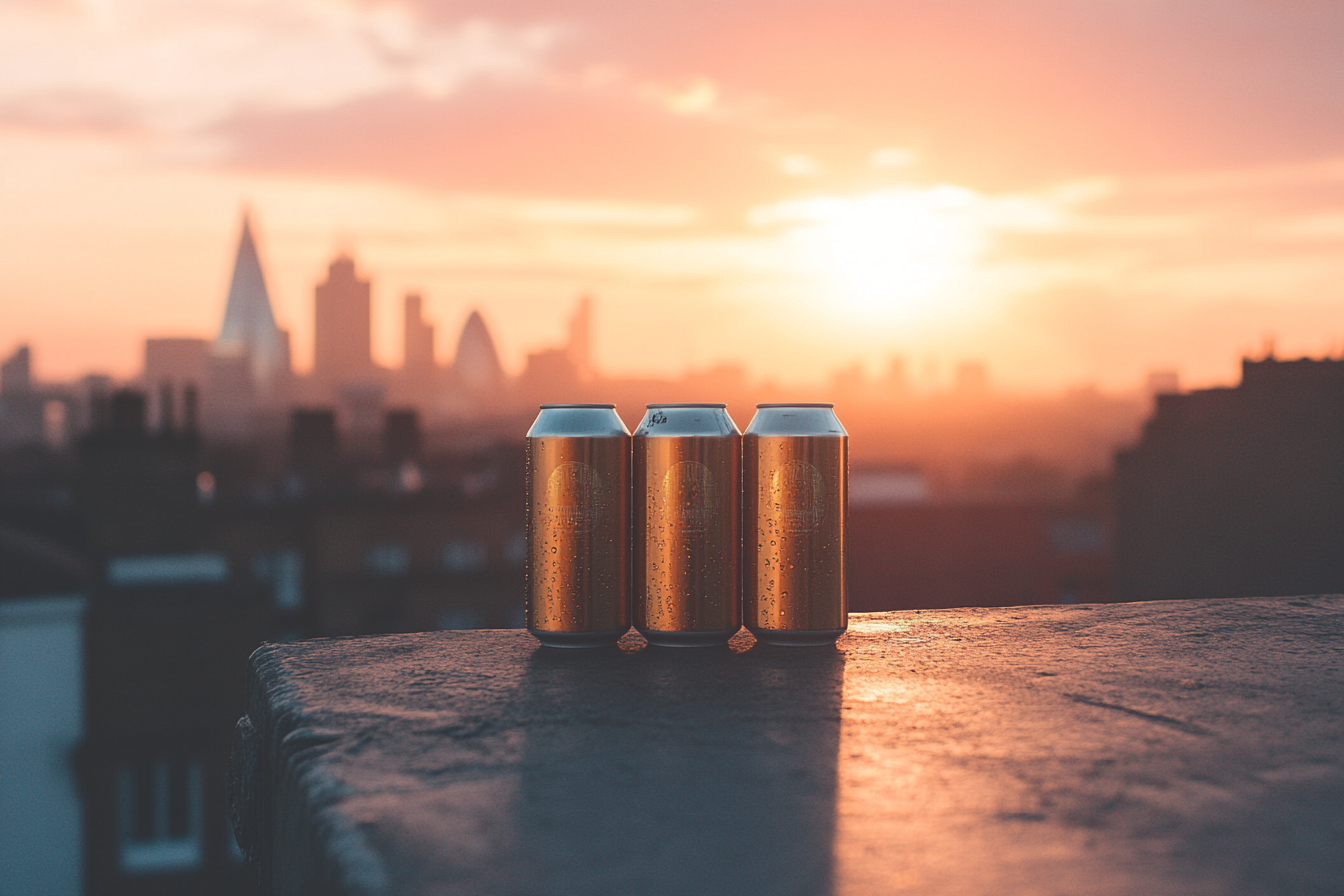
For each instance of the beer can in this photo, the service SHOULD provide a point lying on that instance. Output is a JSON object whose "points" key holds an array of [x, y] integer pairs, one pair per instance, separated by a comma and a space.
{"points": [[795, 470], [687, 531], [578, 526]]}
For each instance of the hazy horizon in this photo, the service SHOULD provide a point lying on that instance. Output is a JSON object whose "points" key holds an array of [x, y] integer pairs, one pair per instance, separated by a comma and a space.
{"points": [[1070, 193]]}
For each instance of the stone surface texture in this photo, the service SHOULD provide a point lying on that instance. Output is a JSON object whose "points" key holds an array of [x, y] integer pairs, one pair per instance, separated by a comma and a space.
{"points": [[1185, 747]]}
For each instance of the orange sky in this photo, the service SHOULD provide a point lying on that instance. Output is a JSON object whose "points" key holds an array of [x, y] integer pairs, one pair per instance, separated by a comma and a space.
{"points": [[1070, 191]]}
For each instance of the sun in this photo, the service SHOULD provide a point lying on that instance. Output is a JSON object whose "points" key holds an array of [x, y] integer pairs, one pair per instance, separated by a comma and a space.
{"points": [[894, 255]]}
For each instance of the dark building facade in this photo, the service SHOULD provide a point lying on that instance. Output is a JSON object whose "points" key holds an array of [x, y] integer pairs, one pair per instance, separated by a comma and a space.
{"points": [[164, 635], [926, 556], [1237, 492], [197, 553]]}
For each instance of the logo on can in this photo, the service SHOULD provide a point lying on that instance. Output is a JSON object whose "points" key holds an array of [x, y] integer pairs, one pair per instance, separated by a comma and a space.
{"points": [[574, 495], [799, 488], [692, 496]]}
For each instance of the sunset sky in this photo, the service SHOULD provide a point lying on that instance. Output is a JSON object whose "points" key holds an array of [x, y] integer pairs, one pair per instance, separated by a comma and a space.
{"points": [[1072, 192]]}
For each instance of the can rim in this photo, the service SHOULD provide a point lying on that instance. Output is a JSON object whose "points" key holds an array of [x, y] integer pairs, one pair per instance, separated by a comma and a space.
{"points": [[686, 404], [798, 404], [547, 407]]}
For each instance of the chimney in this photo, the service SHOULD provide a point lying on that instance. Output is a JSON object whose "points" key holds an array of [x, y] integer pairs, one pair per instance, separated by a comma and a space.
{"points": [[189, 404], [166, 421]]}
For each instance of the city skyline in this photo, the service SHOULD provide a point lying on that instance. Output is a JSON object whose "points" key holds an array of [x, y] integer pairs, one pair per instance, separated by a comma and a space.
{"points": [[1070, 193], [249, 358], [249, 338]]}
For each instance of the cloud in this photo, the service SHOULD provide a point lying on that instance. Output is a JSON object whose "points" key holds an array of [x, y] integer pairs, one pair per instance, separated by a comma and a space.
{"points": [[184, 67], [70, 112], [798, 165], [999, 95], [509, 139], [994, 97], [892, 157]]}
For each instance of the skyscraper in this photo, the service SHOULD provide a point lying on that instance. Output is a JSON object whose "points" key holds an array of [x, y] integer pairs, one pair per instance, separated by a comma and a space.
{"points": [[249, 326], [477, 362], [16, 373], [419, 339], [341, 342], [418, 371]]}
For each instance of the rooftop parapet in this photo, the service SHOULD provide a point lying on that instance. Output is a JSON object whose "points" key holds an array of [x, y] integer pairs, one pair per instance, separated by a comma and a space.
{"points": [[1178, 747], [1299, 373]]}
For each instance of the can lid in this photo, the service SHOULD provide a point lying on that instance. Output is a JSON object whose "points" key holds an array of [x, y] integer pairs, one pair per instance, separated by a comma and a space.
{"points": [[547, 407], [686, 404], [799, 404]]}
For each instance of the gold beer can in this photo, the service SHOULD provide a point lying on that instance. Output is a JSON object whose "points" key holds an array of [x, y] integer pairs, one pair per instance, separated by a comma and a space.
{"points": [[578, 526], [687, 531], [795, 471]]}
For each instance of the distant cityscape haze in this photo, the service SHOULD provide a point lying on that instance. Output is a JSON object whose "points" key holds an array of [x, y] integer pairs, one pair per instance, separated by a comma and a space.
{"points": [[962, 439]]}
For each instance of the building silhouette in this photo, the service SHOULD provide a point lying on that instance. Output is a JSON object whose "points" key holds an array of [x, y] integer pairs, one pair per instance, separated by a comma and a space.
{"points": [[562, 373], [418, 339], [16, 373], [476, 362], [341, 335], [241, 374], [165, 624], [34, 414], [1237, 492], [174, 369], [232, 397], [21, 408], [249, 324], [177, 556], [420, 376]]}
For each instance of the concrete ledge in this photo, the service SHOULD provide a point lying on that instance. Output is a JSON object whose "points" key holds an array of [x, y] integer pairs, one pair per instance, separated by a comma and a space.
{"points": [[1183, 747]]}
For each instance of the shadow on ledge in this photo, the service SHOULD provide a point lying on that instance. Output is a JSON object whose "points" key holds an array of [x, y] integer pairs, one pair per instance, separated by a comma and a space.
{"points": [[687, 771]]}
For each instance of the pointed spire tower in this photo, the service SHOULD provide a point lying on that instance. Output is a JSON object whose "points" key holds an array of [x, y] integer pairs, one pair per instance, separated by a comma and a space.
{"points": [[249, 326]]}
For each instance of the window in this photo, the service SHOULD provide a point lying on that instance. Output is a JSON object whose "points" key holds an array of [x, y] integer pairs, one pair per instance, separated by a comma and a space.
{"points": [[167, 569], [283, 570], [460, 618], [160, 815], [389, 559], [463, 555]]}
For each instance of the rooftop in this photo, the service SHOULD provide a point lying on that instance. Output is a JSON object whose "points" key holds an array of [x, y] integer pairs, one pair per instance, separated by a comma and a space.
{"points": [[1178, 747]]}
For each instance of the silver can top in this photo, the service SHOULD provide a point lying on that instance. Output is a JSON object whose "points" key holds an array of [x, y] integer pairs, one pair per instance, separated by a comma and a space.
{"points": [[688, 404], [577, 420], [547, 407], [795, 420], [675, 420]]}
